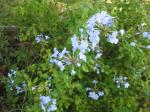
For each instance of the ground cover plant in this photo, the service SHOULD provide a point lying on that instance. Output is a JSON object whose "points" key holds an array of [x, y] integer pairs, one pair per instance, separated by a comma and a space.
{"points": [[76, 56]]}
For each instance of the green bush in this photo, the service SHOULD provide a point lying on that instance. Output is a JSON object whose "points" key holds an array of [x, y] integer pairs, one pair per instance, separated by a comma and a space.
{"points": [[102, 63]]}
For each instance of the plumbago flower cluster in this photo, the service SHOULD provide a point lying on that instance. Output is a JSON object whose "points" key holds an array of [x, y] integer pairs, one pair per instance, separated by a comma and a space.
{"points": [[12, 84], [95, 95], [144, 34], [39, 38], [122, 81], [22, 87], [88, 42], [48, 104]]}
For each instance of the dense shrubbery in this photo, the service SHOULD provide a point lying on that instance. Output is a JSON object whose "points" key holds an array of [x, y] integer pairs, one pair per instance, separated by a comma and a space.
{"points": [[80, 56]]}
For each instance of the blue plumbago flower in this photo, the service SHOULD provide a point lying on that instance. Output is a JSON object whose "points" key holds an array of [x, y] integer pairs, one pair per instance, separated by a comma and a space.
{"points": [[47, 37], [73, 72], [81, 30], [45, 104], [105, 19], [88, 89], [97, 68], [66, 61], [39, 38], [19, 89], [94, 38], [137, 33], [11, 81], [126, 85], [82, 57], [146, 34], [11, 77], [33, 88], [75, 44], [98, 55], [132, 43], [94, 81], [62, 53], [49, 78], [148, 47], [101, 18], [13, 72], [98, 19], [91, 25], [101, 93], [52, 108], [83, 46], [112, 38], [145, 47], [45, 99], [122, 32], [78, 64], [125, 78], [55, 54], [93, 95], [61, 59], [59, 64], [122, 81], [23, 84]]}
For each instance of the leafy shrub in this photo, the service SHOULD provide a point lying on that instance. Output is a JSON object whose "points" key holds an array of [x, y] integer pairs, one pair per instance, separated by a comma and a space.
{"points": [[103, 68]]}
